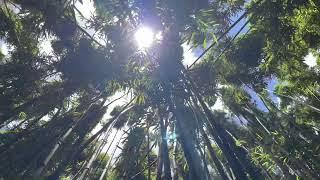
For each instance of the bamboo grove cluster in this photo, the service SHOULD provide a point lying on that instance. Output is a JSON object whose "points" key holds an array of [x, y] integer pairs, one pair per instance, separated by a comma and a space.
{"points": [[55, 103]]}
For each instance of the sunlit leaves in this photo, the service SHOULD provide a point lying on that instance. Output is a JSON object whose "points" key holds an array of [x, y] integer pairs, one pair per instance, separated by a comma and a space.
{"points": [[305, 21], [139, 98], [240, 142], [281, 33], [113, 86], [260, 157], [22, 115]]}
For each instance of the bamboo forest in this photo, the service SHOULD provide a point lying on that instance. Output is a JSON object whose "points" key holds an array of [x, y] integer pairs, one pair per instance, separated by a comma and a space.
{"points": [[159, 89]]}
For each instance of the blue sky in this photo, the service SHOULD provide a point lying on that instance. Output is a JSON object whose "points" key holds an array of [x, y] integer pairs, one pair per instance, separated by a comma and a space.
{"points": [[192, 54]]}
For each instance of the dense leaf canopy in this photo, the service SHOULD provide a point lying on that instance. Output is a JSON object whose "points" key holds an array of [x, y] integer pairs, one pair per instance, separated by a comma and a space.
{"points": [[80, 99]]}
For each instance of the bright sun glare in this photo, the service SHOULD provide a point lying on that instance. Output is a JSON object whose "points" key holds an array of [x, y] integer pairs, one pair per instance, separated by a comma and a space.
{"points": [[144, 37]]}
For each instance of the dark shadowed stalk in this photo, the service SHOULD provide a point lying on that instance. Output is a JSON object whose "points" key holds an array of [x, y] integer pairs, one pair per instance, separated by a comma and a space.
{"points": [[93, 157], [84, 164], [77, 151], [203, 158], [189, 149], [214, 157], [64, 137], [103, 144], [219, 134], [164, 146], [174, 161], [160, 162], [148, 167], [207, 142], [148, 153], [187, 144], [58, 144]]}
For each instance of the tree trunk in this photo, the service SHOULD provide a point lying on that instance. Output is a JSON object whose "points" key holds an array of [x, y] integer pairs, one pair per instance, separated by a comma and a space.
{"points": [[160, 162], [62, 140], [175, 166], [93, 158], [188, 146], [219, 135], [80, 148], [105, 170], [165, 150], [107, 148], [148, 153], [214, 157]]}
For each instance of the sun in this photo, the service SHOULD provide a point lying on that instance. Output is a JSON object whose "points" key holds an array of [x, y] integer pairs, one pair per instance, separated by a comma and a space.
{"points": [[144, 37]]}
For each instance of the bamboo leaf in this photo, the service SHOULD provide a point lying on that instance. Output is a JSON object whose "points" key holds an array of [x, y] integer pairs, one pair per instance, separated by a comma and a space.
{"points": [[204, 44]]}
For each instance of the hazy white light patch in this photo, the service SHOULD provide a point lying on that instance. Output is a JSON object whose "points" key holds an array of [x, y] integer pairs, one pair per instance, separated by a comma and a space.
{"points": [[125, 99], [220, 86], [188, 55], [159, 36], [45, 46], [113, 147], [144, 37], [115, 19], [218, 105], [310, 60], [4, 48], [86, 8], [119, 102]]}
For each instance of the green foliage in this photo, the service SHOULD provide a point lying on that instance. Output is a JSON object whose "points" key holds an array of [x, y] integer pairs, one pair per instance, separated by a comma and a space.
{"points": [[52, 103], [22, 115], [260, 157]]}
